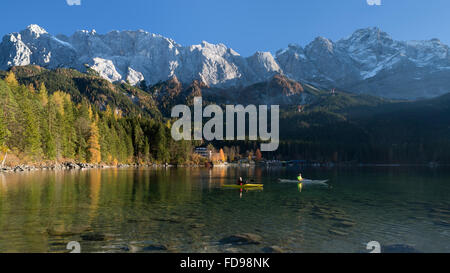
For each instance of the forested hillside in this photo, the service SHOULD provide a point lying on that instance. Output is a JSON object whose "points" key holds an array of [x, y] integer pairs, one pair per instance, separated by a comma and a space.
{"points": [[38, 125], [344, 127], [64, 115]]}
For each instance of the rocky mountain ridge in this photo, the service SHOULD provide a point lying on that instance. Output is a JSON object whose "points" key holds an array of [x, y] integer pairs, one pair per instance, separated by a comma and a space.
{"points": [[369, 61]]}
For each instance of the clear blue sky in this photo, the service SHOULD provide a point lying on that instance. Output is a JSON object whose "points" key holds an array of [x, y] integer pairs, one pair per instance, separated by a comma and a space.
{"points": [[245, 25]]}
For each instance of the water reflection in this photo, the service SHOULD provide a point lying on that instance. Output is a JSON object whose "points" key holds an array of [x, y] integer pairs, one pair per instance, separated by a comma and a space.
{"points": [[188, 210]]}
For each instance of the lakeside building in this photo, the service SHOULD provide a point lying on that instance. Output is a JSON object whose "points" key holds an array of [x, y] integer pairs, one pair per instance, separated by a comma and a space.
{"points": [[203, 151]]}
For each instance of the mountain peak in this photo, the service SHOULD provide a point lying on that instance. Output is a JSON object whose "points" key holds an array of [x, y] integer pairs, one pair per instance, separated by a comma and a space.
{"points": [[368, 35], [320, 44], [322, 41], [36, 30]]}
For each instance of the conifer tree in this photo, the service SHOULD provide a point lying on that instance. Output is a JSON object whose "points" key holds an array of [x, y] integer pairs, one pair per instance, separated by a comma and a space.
{"points": [[146, 151], [162, 154], [9, 108], [139, 142], [32, 136], [4, 133], [70, 137]]}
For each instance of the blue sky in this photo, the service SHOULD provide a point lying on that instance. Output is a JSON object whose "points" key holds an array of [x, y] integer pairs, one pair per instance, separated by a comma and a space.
{"points": [[245, 25]]}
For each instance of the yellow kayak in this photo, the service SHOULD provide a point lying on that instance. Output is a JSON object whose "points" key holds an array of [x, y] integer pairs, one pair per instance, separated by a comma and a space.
{"points": [[244, 186]]}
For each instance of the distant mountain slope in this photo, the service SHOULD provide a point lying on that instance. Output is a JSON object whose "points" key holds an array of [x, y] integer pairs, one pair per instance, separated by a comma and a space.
{"points": [[369, 61], [361, 128], [98, 91]]}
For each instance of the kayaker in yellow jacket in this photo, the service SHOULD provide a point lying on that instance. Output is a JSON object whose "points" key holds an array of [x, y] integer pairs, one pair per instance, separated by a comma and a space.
{"points": [[300, 184]]}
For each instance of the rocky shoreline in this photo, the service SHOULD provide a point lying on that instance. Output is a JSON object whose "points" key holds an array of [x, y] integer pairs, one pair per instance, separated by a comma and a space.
{"points": [[79, 166], [54, 167]]}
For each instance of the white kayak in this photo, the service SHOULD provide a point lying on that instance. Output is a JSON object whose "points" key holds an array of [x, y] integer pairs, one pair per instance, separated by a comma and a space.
{"points": [[305, 181]]}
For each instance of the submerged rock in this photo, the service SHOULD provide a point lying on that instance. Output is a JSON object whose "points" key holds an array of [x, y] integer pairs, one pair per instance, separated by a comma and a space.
{"points": [[169, 220], [442, 222], [242, 239], [60, 233], [399, 248], [273, 249], [196, 225], [231, 250], [345, 224], [154, 248], [149, 248], [94, 237], [341, 218], [440, 211], [337, 232]]}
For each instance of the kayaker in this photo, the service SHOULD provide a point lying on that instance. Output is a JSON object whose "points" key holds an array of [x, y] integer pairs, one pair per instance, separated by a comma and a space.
{"points": [[300, 184], [240, 182]]}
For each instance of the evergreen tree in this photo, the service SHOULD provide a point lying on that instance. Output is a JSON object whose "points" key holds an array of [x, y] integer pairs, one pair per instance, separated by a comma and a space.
{"points": [[139, 142], [32, 134], [146, 151], [4, 133], [69, 132], [161, 152]]}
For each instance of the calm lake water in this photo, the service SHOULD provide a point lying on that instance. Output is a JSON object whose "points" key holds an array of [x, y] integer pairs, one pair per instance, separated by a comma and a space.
{"points": [[187, 210]]}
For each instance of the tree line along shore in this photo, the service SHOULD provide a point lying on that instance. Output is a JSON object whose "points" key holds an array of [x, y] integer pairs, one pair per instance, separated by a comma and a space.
{"points": [[39, 130]]}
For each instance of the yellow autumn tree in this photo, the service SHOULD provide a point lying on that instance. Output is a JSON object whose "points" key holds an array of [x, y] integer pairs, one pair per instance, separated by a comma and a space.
{"points": [[108, 111], [94, 155], [91, 114], [43, 95], [58, 99], [11, 79]]}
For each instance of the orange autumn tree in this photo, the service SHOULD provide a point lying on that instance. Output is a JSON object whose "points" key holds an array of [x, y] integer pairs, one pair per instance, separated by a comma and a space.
{"points": [[258, 155], [94, 155], [222, 155]]}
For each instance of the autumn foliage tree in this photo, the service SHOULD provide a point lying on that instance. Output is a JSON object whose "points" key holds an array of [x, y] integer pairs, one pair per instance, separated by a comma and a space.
{"points": [[222, 155], [258, 155], [94, 154]]}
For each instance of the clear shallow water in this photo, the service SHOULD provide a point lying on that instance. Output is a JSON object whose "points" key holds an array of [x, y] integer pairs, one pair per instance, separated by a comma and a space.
{"points": [[187, 210]]}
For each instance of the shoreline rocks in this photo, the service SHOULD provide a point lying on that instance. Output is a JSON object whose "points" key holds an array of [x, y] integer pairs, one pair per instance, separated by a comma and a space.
{"points": [[83, 166]]}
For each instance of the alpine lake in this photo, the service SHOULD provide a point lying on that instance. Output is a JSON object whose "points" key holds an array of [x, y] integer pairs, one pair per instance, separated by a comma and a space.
{"points": [[185, 210]]}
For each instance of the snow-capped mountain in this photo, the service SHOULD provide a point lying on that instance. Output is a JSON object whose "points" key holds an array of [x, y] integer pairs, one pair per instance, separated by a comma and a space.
{"points": [[135, 56], [368, 61]]}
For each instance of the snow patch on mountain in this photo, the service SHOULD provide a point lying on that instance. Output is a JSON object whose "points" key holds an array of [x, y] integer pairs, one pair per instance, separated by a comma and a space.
{"points": [[369, 60]]}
